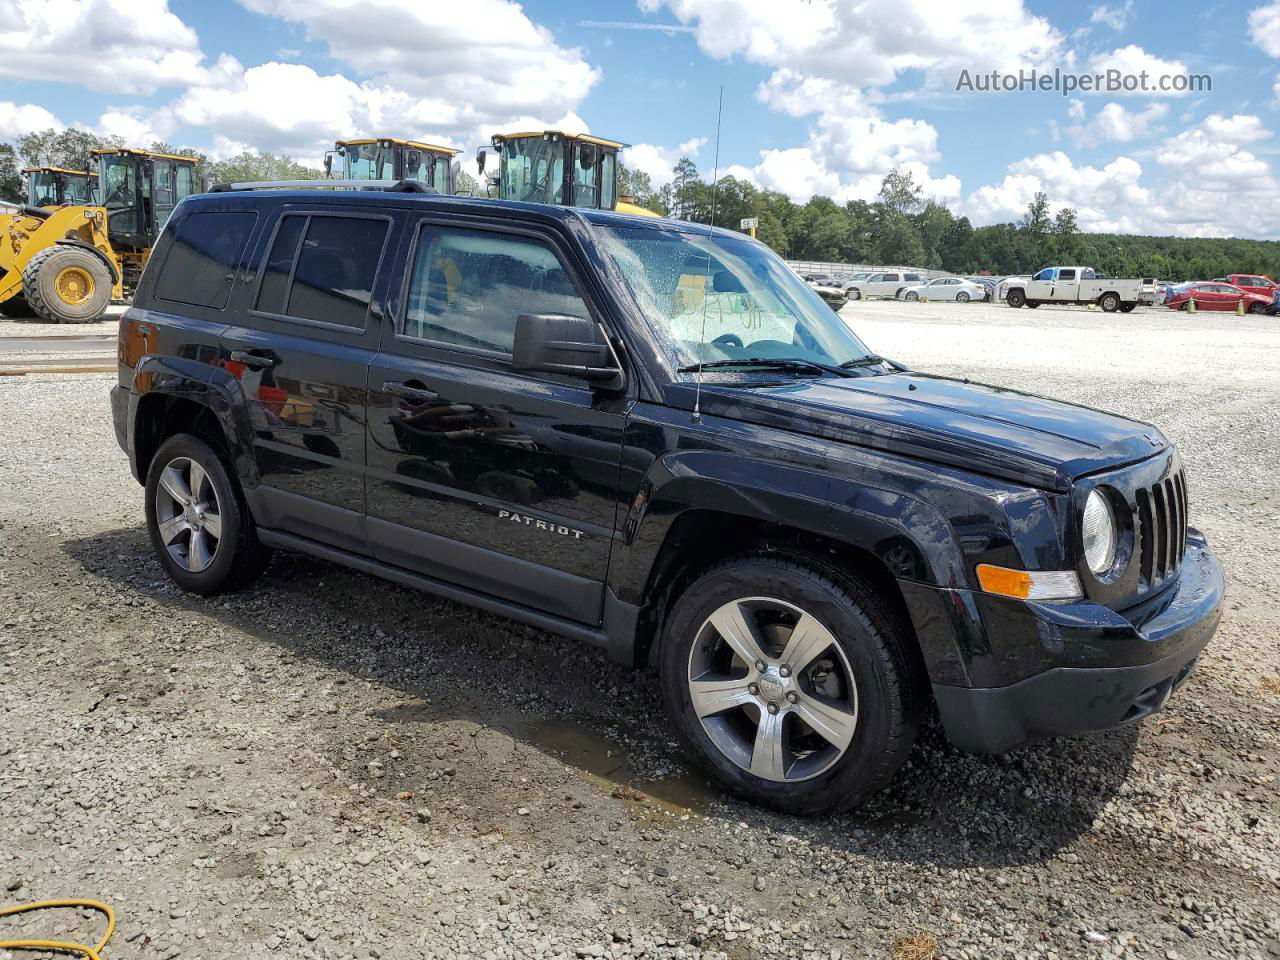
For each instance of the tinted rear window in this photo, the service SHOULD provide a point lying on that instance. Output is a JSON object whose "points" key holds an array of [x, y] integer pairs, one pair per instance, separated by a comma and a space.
{"points": [[329, 277], [204, 250]]}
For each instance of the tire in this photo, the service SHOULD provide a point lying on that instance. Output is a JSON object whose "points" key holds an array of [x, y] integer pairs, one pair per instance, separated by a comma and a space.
{"points": [[1128, 307], [1033, 304], [855, 294], [911, 295], [1257, 308], [16, 307], [871, 691], [1015, 298], [226, 562], [67, 285], [962, 297], [1109, 302]]}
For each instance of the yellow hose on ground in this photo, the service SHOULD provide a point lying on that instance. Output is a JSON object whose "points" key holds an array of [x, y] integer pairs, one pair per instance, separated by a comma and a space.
{"points": [[64, 946]]}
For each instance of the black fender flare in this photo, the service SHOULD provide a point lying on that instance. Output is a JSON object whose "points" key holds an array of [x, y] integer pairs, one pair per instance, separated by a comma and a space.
{"points": [[111, 267], [208, 386]]}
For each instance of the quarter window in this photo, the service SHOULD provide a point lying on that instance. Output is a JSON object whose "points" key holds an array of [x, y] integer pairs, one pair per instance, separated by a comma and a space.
{"points": [[322, 268], [469, 286], [204, 250]]}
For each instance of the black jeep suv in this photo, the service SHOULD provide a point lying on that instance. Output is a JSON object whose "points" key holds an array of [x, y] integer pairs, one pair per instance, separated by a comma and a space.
{"points": [[654, 437]]}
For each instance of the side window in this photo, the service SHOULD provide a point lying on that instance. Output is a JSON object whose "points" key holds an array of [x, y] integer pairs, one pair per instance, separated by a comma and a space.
{"points": [[1045, 274], [469, 286], [1066, 274], [322, 268], [204, 250], [608, 181], [585, 169], [912, 277]]}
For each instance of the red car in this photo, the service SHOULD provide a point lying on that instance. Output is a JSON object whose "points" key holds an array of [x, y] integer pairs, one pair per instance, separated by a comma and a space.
{"points": [[1252, 283], [1215, 296]]}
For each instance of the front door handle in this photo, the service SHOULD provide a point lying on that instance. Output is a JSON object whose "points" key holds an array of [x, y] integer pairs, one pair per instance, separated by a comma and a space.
{"points": [[256, 359], [406, 391]]}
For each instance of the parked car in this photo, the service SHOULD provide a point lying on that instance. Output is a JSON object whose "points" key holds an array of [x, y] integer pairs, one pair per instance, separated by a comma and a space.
{"points": [[825, 279], [509, 405], [1216, 296], [988, 286], [854, 279], [886, 284], [1004, 283], [946, 288], [1081, 284], [1254, 283], [834, 296]]}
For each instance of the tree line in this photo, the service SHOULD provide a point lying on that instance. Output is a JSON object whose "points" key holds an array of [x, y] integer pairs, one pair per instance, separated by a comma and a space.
{"points": [[903, 227], [900, 227]]}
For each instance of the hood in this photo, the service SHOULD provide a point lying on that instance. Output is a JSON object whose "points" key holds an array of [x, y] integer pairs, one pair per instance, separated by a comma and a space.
{"points": [[989, 430]]}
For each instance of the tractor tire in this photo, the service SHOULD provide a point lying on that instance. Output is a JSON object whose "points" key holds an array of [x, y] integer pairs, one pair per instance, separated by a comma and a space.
{"points": [[16, 307], [1015, 298], [67, 285], [1109, 302]]}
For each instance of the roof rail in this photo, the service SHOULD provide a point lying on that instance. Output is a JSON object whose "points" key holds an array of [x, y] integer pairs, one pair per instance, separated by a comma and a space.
{"points": [[390, 186]]}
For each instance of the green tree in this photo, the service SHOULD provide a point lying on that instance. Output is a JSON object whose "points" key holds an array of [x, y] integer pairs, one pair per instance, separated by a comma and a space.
{"points": [[10, 175], [684, 186], [68, 148], [899, 192], [250, 166], [1036, 220], [465, 183], [202, 161]]}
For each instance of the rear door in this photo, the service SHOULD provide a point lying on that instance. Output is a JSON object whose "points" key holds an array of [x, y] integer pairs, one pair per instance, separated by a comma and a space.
{"points": [[1067, 285], [499, 481], [301, 352]]}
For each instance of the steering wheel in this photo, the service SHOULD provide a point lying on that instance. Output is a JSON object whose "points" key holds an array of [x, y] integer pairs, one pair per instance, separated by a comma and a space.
{"points": [[727, 340]]}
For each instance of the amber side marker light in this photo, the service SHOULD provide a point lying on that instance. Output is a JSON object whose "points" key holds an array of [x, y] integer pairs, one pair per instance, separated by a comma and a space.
{"points": [[1029, 584]]}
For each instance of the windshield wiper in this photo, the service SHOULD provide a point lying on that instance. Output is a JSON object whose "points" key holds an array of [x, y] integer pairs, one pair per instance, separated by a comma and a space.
{"points": [[870, 360], [767, 363]]}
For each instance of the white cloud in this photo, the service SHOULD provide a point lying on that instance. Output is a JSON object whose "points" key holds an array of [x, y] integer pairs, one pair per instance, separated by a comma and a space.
{"points": [[126, 46], [1114, 122], [1213, 154], [19, 119], [1075, 109], [1117, 18], [1131, 61], [657, 161], [1264, 28], [467, 72]]}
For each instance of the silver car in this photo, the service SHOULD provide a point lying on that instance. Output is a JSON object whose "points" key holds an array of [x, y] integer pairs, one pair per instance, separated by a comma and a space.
{"points": [[946, 288]]}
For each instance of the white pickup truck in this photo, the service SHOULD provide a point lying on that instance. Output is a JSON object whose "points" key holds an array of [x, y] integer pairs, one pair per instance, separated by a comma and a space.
{"points": [[1080, 285]]}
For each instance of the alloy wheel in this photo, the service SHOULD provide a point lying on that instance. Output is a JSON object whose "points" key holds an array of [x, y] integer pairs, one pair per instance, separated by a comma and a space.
{"points": [[188, 515], [772, 689]]}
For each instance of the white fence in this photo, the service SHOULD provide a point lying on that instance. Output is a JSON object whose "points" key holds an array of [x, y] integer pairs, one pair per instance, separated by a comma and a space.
{"points": [[836, 269]]}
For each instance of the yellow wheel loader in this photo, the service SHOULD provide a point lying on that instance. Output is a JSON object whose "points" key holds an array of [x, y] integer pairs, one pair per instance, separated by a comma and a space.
{"points": [[50, 187], [67, 264], [548, 166], [386, 158]]}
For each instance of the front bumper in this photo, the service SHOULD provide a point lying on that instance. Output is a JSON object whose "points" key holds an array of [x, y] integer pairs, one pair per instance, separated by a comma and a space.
{"points": [[1094, 668]]}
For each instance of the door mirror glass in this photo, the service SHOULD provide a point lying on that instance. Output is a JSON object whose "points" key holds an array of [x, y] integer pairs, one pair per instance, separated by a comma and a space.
{"points": [[570, 346]]}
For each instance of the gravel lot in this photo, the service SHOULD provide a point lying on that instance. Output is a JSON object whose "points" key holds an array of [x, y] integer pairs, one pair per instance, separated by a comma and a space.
{"points": [[330, 766]]}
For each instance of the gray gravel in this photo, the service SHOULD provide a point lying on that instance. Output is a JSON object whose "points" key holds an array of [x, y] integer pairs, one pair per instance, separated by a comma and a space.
{"points": [[329, 766]]}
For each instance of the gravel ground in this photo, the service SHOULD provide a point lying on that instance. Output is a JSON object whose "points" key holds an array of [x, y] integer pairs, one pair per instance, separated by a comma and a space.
{"points": [[330, 766], [35, 327]]}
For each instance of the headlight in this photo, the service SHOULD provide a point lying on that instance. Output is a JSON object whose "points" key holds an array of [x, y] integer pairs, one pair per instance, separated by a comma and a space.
{"points": [[1099, 533]]}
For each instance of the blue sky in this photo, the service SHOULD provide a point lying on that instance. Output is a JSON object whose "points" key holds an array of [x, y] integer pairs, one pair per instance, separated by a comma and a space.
{"points": [[820, 96]]}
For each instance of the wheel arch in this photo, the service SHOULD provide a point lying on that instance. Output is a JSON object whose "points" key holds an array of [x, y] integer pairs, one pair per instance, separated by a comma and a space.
{"points": [[112, 270]]}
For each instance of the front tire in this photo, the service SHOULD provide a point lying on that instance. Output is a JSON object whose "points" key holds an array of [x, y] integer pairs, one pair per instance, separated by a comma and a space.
{"points": [[855, 294], [67, 285], [1015, 298], [792, 681], [200, 529]]}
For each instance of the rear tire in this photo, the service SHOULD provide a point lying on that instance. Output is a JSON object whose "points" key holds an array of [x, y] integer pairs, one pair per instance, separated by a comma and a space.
{"points": [[1109, 302], [855, 294], [16, 307], [200, 528], [854, 673], [67, 285], [1015, 298], [911, 295], [1033, 304], [962, 297]]}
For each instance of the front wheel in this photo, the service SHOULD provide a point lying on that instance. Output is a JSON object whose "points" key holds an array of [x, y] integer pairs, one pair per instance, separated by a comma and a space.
{"points": [[855, 294], [791, 681], [200, 528], [1258, 308], [66, 284], [1015, 298]]}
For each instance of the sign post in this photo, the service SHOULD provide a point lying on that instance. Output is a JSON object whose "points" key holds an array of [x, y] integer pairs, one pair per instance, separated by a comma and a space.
{"points": [[749, 224]]}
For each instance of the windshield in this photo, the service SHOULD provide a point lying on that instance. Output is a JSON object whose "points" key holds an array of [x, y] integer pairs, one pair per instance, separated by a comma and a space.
{"points": [[369, 161], [723, 298], [76, 189], [532, 169], [42, 189]]}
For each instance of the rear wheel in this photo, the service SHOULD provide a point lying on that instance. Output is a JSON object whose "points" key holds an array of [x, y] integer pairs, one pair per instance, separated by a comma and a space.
{"points": [[1032, 304], [911, 295], [792, 681], [200, 528], [67, 285], [1015, 298], [855, 294], [1109, 302], [962, 297]]}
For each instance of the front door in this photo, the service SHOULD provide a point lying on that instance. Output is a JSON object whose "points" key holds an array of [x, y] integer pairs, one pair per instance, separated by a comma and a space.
{"points": [[301, 354], [499, 481]]}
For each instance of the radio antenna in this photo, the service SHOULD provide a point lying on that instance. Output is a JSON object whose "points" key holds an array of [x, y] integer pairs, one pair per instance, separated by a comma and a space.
{"points": [[711, 230]]}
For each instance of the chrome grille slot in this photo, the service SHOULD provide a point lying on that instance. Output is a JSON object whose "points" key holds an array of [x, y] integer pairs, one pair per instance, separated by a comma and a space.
{"points": [[1161, 522], [1146, 554], [1160, 532]]}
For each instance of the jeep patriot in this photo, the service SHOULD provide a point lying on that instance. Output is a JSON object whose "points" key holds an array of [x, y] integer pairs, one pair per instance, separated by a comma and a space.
{"points": [[654, 437]]}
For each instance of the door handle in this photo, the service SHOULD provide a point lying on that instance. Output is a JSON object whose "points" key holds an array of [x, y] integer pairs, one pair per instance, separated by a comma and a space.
{"points": [[254, 358], [398, 388]]}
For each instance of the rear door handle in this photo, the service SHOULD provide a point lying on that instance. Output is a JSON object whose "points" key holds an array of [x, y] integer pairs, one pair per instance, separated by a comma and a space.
{"points": [[256, 359], [398, 388]]}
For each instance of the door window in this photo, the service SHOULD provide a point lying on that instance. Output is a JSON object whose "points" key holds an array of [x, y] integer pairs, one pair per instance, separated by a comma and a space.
{"points": [[469, 286], [322, 268], [1045, 274], [204, 250], [608, 181], [165, 189], [586, 157], [1066, 274]]}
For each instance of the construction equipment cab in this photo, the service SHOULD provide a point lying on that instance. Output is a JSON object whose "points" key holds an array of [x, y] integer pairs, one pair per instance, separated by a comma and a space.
{"points": [[387, 158], [548, 166], [50, 187], [65, 264]]}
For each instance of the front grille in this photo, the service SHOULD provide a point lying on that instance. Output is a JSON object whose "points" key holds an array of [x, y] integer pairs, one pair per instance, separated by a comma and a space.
{"points": [[1161, 529]]}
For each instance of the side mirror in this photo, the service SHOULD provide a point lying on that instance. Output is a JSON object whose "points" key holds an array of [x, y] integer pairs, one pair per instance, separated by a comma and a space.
{"points": [[412, 161], [571, 346], [481, 156], [328, 163]]}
